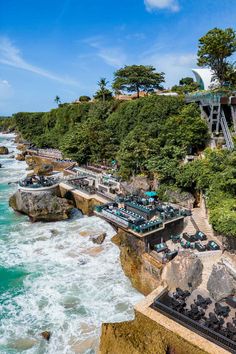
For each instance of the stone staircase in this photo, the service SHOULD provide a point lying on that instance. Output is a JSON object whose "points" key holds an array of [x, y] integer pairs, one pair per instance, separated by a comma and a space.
{"points": [[198, 221]]}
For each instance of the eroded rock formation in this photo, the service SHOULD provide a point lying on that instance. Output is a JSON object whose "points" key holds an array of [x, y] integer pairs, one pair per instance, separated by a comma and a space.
{"points": [[4, 150], [43, 169], [143, 274], [185, 271], [221, 282], [42, 206], [143, 336], [98, 239], [20, 157]]}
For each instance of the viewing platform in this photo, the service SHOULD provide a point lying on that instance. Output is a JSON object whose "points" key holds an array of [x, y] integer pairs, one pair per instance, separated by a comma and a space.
{"points": [[161, 317], [219, 111], [140, 220], [34, 184]]}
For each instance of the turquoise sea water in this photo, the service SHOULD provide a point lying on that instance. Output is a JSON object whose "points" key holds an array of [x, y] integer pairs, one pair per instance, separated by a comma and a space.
{"points": [[52, 277]]}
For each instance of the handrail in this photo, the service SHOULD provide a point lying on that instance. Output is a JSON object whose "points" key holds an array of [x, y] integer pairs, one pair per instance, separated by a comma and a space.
{"points": [[227, 135], [205, 332]]}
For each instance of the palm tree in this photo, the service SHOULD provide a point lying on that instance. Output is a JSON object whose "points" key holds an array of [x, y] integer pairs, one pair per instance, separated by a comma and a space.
{"points": [[102, 83], [57, 100]]}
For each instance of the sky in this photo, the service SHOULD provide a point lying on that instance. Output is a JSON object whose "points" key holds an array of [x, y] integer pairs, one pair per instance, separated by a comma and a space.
{"points": [[63, 47]]}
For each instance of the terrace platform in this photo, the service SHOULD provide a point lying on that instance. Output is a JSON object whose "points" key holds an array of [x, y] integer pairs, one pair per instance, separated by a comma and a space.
{"points": [[178, 329]]}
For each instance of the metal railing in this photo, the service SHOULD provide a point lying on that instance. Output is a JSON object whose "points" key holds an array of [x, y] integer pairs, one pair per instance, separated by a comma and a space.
{"points": [[227, 135], [205, 332]]}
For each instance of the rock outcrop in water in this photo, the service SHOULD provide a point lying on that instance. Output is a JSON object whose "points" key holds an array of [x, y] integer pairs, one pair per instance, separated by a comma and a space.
{"points": [[185, 272], [42, 206], [20, 157], [98, 239], [4, 150], [46, 335]]}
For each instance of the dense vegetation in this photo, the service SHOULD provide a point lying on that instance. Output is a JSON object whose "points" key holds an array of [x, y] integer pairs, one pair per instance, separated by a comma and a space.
{"points": [[7, 123], [150, 135]]}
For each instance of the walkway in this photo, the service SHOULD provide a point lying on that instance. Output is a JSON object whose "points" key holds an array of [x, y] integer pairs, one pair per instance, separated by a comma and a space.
{"points": [[198, 221]]}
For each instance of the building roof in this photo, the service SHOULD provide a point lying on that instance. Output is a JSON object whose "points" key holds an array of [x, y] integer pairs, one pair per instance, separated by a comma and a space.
{"points": [[204, 78]]}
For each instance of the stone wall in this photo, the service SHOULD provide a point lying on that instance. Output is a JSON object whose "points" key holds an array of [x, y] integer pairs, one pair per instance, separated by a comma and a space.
{"points": [[84, 203]]}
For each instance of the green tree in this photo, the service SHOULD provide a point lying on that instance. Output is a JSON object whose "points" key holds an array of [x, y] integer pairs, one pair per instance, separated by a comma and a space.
{"points": [[186, 84], [186, 81], [136, 78], [215, 49], [57, 100], [134, 151], [84, 99], [103, 94]]}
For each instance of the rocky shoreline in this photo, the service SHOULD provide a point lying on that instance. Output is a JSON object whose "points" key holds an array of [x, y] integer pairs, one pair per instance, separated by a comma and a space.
{"points": [[43, 206], [144, 272]]}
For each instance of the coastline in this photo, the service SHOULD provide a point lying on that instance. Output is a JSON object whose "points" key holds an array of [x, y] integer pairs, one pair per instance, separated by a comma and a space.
{"points": [[74, 251]]}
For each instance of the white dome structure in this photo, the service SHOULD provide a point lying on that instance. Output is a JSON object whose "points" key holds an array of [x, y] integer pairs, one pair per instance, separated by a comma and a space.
{"points": [[204, 78]]}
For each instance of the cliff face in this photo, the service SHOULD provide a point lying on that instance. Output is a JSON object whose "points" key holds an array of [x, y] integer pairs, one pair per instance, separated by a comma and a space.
{"points": [[143, 336], [86, 205], [42, 206], [143, 273], [35, 162]]}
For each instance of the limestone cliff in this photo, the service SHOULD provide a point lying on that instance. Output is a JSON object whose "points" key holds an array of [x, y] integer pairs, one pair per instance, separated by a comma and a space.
{"points": [[143, 273], [143, 336], [42, 206]]}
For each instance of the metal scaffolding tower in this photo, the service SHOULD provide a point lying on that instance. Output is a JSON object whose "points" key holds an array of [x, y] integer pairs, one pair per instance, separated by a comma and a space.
{"points": [[213, 107]]}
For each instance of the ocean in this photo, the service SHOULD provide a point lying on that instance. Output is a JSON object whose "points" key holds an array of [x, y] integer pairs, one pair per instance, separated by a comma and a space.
{"points": [[53, 278]]}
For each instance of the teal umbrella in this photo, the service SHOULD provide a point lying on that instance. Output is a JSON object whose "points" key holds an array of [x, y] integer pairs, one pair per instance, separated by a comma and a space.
{"points": [[151, 194]]}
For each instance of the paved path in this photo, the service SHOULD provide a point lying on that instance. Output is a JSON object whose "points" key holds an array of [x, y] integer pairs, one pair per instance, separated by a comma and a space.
{"points": [[198, 221]]}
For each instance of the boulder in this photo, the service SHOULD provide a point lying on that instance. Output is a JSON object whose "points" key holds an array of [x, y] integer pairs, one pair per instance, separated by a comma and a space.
{"points": [[21, 147], [184, 271], [46, 335], [221, 283], [54, 232], [4, 150], [98, 239], [136, 185], [20, 157], [30, 162], [22, 344], [176, 196], [41, 206], [43, 169]]}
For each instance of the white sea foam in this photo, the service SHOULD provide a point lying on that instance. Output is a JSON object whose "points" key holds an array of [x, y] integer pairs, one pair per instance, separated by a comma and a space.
{"points": [[72, 286]]}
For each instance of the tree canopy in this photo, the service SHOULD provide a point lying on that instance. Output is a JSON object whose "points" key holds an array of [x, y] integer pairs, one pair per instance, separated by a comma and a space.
{"points": [[215, 50], [57, 100], [136, 78], [186, 85], [103, 93], [84, 98]]}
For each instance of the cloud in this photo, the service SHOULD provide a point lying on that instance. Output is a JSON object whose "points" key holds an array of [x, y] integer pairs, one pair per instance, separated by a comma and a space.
{"points": [[111, 55], [174, 65], [11, 56], [171, 5], [6, 91]]}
